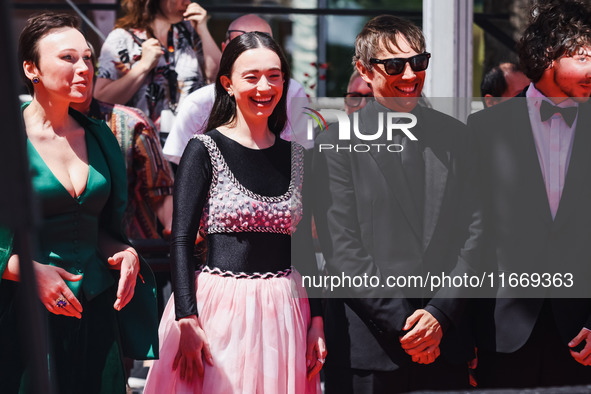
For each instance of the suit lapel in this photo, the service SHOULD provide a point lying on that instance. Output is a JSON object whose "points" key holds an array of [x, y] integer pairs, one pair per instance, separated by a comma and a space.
{"points": [[391, 167], [578, 168], [436, 175], [437, 160]]}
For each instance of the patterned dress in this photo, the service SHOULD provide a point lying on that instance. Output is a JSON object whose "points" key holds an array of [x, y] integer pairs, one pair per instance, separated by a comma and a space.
{"points": [[249, 297], [122, 50], [149, 176]]}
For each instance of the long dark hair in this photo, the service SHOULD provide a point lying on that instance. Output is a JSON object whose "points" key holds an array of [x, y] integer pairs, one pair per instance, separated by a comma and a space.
{"points": [[224, 107]]}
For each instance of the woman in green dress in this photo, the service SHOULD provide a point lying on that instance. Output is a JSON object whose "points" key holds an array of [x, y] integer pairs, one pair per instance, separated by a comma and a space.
{"points": [[86, 271]]}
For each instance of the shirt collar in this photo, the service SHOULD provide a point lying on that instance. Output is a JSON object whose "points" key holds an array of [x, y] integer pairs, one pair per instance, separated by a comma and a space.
{"points": [[533, 93]]}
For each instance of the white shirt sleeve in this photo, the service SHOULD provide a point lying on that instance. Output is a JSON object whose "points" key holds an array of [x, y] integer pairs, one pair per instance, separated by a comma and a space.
{"points": [[191, 119], [296, 129], [117, 55]]}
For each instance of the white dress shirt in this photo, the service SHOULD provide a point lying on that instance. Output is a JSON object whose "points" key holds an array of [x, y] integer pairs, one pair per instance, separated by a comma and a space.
{"points": [[554, 143]]}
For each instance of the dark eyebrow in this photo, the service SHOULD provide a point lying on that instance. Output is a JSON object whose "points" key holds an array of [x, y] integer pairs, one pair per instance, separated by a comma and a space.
{"points": [[75, 50], [257, 71]]}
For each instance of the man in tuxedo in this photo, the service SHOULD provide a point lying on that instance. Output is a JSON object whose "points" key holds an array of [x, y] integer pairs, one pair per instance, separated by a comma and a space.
{"points": [[535, 166], [408, 208]]}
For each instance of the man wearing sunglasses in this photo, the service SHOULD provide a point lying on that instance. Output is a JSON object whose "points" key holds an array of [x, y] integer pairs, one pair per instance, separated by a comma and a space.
{"points": [[195, 109], [394, 213]]}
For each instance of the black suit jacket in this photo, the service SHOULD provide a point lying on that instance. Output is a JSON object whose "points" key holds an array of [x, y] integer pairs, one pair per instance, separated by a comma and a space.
{"points": [[367, 222], [520, 234]]}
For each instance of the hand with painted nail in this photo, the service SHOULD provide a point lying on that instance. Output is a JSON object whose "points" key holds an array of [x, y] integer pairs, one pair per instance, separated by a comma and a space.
{"points": [[54, 293], [127, 262]]}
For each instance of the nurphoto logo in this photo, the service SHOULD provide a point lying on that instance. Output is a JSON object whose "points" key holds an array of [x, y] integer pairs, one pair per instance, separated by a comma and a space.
{"points": [[317, 117], [388, 122]]}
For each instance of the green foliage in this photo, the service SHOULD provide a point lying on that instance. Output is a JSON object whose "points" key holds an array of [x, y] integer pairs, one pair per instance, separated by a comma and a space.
{"points": [[339, 69]]}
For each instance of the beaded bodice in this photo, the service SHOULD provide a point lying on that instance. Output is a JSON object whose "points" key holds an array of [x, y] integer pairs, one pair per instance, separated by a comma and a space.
{"points": [[231, 207]]}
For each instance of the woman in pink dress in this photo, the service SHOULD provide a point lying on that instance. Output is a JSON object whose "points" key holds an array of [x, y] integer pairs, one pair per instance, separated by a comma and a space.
{"points": [[243, 324]]}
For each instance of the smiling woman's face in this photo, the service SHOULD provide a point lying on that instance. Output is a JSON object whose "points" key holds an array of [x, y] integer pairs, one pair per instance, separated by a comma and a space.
{"points": [[256, 83], [65, 66]]}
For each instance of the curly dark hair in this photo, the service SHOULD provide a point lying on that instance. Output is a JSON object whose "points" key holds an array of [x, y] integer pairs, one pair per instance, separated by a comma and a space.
{"points": [[556, 28]]}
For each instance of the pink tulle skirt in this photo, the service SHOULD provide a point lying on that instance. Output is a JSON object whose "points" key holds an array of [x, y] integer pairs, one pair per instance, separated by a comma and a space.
{"points": [[257, 331]]}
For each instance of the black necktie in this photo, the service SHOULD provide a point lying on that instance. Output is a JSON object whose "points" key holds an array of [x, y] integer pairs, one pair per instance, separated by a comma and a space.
{"points": [[568, 113]]}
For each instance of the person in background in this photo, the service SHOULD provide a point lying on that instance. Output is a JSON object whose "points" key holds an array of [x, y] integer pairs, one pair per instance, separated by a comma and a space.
{"points": [[534, 164], [244, 323], [358, 93], [159, 52], [194, 112], [98, 293], [501, 83], [149, 176]]}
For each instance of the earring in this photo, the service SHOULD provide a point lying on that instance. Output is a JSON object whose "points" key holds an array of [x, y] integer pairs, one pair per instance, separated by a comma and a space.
{"points": [[35, 80], [230, 93]]}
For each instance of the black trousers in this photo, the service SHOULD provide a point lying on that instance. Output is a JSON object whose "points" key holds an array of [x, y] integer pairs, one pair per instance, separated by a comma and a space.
{"points": [[440, 375], [544, 361]]}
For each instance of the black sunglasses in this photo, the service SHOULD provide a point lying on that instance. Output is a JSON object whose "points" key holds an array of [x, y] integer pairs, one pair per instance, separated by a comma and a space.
{"points": [[395, 65], [354, 99], [229, 33]]}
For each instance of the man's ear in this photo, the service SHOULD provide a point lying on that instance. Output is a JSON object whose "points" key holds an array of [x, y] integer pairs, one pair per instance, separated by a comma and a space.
{"points": [[489, 100], [30, 69], [365, 73]]}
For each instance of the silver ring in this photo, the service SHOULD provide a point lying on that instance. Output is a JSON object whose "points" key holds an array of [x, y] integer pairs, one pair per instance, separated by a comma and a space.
{"points": [[321, 360]]}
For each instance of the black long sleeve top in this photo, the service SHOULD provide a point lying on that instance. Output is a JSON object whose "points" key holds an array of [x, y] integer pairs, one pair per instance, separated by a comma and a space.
{"points": [[266, 172]]}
